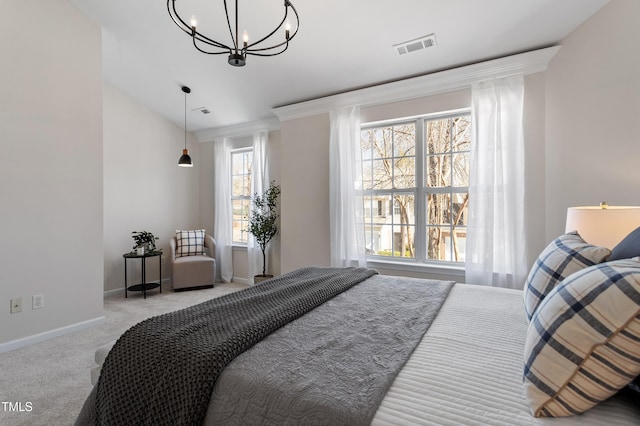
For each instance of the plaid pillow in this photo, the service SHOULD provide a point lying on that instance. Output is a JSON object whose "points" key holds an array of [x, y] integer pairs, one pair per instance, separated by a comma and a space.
{"points": [[583, 342], [190, 243], [565, 255]]}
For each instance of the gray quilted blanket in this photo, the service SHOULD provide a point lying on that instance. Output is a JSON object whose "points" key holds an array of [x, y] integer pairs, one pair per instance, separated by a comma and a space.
{"points": [[163, 370], [334, 365]]}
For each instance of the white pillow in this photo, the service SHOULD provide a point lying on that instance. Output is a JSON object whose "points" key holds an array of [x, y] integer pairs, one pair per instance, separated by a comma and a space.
{"points": [[583, 342], [562, 257], [190, 243]]}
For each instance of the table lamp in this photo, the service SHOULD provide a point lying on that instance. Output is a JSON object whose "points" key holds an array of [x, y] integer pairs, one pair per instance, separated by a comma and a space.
{"points": [[603, 225]]}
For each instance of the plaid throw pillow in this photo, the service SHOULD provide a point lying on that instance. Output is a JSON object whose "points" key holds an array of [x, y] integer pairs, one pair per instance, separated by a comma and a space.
{"points": [[190, 243], [583, 342], [565, 255]]}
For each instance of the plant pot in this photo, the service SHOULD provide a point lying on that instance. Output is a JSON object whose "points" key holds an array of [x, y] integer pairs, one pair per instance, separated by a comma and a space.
{"points": [[259, 278]]}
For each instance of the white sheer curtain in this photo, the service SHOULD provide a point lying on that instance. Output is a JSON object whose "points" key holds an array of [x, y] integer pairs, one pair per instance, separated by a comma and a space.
{"points": [[347, 235], [259, 183], [222, 226], [496, 246]]}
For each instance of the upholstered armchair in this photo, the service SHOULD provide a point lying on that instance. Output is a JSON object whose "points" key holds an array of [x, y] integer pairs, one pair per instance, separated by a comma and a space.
{"points": [[193, 265]]}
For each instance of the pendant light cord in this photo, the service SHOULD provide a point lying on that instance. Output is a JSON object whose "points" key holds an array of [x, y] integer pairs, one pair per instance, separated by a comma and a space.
{"points": [[185, 120]]}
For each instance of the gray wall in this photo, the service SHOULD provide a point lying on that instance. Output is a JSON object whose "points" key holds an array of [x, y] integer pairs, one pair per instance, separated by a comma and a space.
{"points": [[592, 113], [51, 167], [144, 189]]}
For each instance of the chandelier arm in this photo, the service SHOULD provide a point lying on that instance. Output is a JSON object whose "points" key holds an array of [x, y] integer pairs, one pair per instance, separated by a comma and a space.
{"points": [[189, 30], [284, 19], [199, 49], [263, 49], [177, 19], [226, 12], [206, 40], [269, 54]]}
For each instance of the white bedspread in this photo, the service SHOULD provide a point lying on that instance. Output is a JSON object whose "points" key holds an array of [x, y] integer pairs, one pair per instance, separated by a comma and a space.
{"points": [[467, 370]]}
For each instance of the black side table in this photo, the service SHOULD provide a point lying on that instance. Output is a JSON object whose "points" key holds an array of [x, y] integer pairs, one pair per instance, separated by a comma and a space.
{"points": [[144, 285]]}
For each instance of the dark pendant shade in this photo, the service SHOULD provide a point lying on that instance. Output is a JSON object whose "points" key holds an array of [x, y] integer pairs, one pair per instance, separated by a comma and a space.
{"points": [[185, 160]]}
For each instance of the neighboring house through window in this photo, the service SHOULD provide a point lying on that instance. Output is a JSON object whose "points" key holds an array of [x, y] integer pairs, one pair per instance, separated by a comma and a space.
{"points": [[241, 165], [415, 187]]}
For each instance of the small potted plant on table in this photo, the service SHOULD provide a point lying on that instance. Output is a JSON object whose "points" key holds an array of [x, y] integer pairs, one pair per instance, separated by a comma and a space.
{"points": [[145, 242]]}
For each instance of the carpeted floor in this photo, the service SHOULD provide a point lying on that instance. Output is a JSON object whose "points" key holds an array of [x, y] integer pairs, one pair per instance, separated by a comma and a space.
{"points": [[54, 376]]}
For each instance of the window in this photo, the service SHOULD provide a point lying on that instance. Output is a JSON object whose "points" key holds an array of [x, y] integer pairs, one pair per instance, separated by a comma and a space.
{"points": [[241, 165], [415, 176]]}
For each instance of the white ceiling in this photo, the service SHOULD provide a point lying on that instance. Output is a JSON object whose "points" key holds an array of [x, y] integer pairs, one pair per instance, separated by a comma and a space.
{"points": [[342, 45]]}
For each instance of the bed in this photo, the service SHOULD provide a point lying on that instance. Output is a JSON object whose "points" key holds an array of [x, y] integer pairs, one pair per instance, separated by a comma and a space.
{"points": [[464, 367]]}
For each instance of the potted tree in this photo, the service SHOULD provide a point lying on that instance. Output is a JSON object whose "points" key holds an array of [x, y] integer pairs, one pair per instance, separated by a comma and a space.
{"points": [[263, 223]]}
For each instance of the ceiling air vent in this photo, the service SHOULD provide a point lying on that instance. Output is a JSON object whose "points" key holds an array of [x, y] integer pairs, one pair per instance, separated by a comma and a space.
{"points": [[413, 45], [203, 110]]}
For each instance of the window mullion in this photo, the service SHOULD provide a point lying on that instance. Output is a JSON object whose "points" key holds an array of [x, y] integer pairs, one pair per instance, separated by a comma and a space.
{"points": [[420, 194], [451, 130]]}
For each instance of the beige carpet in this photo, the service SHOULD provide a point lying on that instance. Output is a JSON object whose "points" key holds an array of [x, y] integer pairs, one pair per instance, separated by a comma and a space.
{"points": [[54, 376]]}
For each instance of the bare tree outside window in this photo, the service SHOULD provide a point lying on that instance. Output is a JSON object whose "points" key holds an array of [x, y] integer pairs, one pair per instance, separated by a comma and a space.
{"points": [[410, 214], [447, 181], [389, 178]]}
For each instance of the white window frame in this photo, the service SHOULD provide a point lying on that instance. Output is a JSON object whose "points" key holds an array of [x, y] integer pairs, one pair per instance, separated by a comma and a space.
{"points": [[238, 197], [420, 193]]}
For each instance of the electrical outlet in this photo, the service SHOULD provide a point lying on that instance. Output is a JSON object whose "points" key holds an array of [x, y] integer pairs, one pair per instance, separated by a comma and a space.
{"points": [[37, 301], [16, 305]]}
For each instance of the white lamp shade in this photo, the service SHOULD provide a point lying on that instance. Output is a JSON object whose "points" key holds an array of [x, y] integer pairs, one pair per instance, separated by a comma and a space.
{"points": [[604, 227]]}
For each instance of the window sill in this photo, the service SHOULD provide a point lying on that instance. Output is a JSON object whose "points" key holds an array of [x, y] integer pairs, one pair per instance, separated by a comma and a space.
{"points": [[239, 247], [456, 271]]}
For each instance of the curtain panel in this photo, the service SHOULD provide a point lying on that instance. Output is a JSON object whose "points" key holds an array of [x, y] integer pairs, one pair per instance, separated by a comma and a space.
{"points": [[496, 246], [222, 224], [347, 234], [259, 184]]}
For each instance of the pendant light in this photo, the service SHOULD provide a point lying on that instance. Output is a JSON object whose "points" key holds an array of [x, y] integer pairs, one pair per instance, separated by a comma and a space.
{"points": [[185, 160]]}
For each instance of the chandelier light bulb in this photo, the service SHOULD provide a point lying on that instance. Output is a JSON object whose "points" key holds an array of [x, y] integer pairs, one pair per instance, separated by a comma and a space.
{"points": [[194, 22], [287, 28], [245, 38]]}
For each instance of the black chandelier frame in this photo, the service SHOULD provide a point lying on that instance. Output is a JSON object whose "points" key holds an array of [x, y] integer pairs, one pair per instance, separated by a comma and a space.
{"points": [[237, 53]]}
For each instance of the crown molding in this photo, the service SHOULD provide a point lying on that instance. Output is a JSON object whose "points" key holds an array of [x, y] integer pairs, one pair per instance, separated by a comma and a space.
{"points": [[430, 84], [238, 130], [416, 87]]}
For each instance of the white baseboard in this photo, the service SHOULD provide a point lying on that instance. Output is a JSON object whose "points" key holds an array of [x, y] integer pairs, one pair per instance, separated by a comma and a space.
{"points": [[115, 292], [244, 281], [41, 337]]}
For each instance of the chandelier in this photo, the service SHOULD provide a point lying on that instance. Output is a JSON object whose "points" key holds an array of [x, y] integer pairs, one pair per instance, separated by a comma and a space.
{"points": [[237, 52]]}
